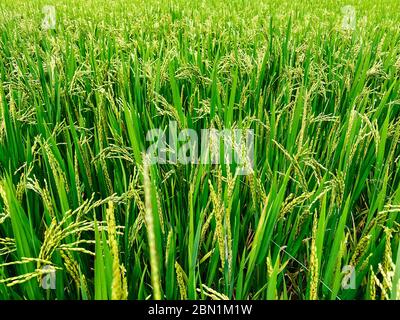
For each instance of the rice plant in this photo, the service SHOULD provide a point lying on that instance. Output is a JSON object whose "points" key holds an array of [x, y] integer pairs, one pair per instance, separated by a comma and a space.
{"points": [[85, 215]]}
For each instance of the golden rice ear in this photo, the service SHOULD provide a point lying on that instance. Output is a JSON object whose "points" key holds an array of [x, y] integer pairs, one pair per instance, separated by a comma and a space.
{"points": [[180, 277], [314, 268], [211, 293]]}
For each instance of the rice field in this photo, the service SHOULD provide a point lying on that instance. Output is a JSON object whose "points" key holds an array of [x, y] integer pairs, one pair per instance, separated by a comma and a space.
{"points": [[85, 215]]}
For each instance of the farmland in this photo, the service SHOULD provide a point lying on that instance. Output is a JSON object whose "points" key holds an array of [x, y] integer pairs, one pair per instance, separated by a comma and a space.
{"points": [[85, 215]]}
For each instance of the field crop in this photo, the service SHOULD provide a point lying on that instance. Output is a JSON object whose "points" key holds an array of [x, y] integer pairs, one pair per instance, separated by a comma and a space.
{"points": [[85, 215]]}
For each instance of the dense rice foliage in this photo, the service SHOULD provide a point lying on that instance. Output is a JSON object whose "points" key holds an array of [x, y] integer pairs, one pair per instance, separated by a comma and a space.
{"points": [[76, 104]]}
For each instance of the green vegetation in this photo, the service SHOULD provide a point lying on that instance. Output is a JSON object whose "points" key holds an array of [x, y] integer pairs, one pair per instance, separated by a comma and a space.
{"points": [[76, 104]]}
